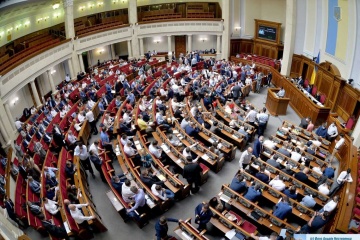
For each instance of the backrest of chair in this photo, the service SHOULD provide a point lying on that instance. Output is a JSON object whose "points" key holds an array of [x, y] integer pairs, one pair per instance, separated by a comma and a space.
{"points": [[322, 98], [306, 83], [314, 90]]}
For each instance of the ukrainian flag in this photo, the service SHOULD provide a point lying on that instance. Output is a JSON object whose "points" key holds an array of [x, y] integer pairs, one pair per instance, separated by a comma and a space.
{"points": [[338, 28], [313, 75]]}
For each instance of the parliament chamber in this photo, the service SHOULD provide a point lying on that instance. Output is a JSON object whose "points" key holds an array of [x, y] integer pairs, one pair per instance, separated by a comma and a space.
{"points": [[133, 119]]}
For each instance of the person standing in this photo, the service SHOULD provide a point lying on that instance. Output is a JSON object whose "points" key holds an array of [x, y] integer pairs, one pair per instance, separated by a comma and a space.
{"points": [[140, 203], [203, 215], [338, 144], [97, 161], [281, 93], [258, 146], [332, 132], [343, 178], [192, 173], [91, 119], [263, 118], [82, 153], [78, 215], [245, 158], [162, 228]]}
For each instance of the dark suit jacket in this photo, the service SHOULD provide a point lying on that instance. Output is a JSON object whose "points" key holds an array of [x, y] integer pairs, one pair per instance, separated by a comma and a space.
{"points": [[192, 172], [58, 139], [257, 148], [55, 231], [149, 181], [203, 217]]}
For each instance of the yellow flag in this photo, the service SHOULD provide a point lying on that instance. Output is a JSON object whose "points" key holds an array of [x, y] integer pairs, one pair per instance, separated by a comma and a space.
{"points": [[313, 76]]}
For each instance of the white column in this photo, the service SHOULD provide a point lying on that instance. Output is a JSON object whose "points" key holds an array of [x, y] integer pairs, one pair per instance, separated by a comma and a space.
{"points": [[75, 63], [169, 43], [218, 50], [69, 18], [289, 43], [81, 61], [71, 68], [132, 10], [90, 57], [52, 84], [225, 46], [9, 116], [141, 47], [129, 48], [356, 134], [35, 93], [112, 49], [8, 126], [189, 43], [5, 140]]}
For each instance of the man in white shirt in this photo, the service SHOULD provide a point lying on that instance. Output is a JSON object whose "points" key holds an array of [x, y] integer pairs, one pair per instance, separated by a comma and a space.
{"points": [[67, 78], [296, 155], [343, 178], [90, 117], [245, 158], [81, 117], [184, 122], [50, 170], [281, 93], [277, 183], [126, 193], [251, 116], [155, 149], [71, 140], [77, 214], [324, 189], [126, 117], [332, 132], [330, 205], [51, 206], [94, 147], [270, 143], [81, 152], [273, 236], [338, 144], [162, 193]]}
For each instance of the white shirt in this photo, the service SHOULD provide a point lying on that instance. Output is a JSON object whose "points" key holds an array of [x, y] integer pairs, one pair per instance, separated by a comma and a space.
{"points": [[270, 144], [129, 151], [94, 149], [51, 207], [53, 113], [67, 78], [127, 118], [124, 141], [339, 143], [281, 93], [324, 189], [18, 124], [316, 143], [71, 138], [295, 156], [81, 118], [155, 151], [277, 184], [163, 92], [344, 175], [83, 154], [90, 116], [332, 130], [330, 206], [245, 158], [77, 127], [184, 123], [248, 81], [63, 113], [127, 193], [160, 194], [251, 116], [77, 214]]}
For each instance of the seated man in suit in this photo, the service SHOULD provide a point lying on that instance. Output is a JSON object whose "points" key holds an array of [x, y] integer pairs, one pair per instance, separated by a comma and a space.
{"points": [[261, 175], [302, 176], [238, 184], [253, 193], [283, 208]]}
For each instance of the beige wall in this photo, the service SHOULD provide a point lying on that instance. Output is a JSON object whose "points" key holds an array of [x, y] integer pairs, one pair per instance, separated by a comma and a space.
{"points": [[273, 10]]}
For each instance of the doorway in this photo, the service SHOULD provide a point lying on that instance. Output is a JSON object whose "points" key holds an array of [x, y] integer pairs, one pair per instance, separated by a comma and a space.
{"points": [[180, 45]]}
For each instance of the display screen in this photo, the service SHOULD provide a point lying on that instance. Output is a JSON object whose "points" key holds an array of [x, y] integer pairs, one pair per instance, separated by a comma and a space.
{"points": [[268, 33]]}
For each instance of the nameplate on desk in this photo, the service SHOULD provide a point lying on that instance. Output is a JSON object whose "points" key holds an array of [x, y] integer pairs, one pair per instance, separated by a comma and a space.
{"points": [[205, 157]]}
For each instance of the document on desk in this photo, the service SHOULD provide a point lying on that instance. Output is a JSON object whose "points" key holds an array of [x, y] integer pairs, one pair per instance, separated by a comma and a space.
{"points": [[211, 140], [230, 234], [205, 157], [224, 198], [234, 136], [175, 131], [161, 177], [187, 237], [67, 227], [165, 148], [178, 161]]}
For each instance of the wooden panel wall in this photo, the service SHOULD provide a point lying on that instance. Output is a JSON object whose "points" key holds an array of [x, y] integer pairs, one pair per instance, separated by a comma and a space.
{"points": [[241, 46], [341, 98]]}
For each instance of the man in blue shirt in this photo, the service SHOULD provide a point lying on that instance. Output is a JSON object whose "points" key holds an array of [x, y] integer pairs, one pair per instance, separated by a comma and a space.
{"points": [[329, 171], [261, 175], [321, 131], [309, 201], [283, 208], [291, 192], [253, 193], [34, 185], [105, 142], [315, 223], [140, 203], [238, 184]]}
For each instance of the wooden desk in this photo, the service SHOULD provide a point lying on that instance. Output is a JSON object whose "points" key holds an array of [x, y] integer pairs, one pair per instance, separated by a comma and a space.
{"points": [[276, 105]]}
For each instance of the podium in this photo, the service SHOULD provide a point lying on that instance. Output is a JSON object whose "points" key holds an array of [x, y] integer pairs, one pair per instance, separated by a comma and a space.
{"points": [[274, 104]]}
